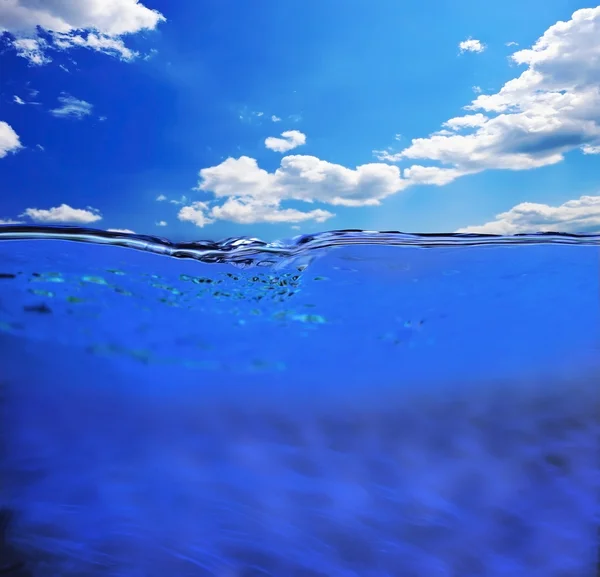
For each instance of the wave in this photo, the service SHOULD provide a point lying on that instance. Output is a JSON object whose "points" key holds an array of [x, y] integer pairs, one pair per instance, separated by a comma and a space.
{"points": [[248, 251]]}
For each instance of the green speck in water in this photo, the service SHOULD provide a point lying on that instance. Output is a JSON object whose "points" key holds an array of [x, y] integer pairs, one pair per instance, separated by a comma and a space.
{"points": [[314, 319], [6, 327], [94, 280], [72, 299], [41, 293]]}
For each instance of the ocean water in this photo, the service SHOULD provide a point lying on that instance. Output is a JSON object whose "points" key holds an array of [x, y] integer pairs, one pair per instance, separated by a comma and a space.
{"points": [[345, 404]]}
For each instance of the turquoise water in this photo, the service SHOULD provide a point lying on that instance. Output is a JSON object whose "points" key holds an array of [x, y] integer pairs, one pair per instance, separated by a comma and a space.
{"points": [[345, 404]]}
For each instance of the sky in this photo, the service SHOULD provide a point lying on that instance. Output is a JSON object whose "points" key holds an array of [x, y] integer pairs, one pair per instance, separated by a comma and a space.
{"points": [[222, 118]]}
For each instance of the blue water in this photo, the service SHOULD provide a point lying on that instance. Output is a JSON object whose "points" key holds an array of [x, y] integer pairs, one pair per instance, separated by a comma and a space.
{"points": [[345, 404]]}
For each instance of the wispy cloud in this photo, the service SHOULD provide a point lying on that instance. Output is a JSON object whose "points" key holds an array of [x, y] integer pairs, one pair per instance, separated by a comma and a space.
{"points": [[72, 107], [32, 49]]}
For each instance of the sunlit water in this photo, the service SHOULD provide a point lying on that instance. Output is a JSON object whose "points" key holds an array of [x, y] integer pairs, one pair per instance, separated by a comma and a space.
{"points": [[350, 404]]}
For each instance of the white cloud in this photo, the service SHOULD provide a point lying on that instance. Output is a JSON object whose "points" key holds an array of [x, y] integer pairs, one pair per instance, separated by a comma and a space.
{"points": [[196, 213], [471, 45], [587, 149], [290, 139], [18, 100], [32, 49], [476, 89], [161, 198], [303, 178], [95, 24], [40, 147], [10, 221], [100, 43], [72, 107], [250, 194], [512, 44], [161, 223], [275, 118], [9, 140], [63, 213], [551, 108], [123, 230], [430, 175], [249, 211], [469, 121], [575, 216]]}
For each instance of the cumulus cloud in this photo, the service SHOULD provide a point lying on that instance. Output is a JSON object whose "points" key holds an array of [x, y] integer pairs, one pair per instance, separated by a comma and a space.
{"points": [[471, 45], [249, 211], [9, 140], [10, 221], [250, 194], [196, 213], [533, 120], [63, 213], [275, 118], [161, 223], [289, 140], [72, 107], [95, 24], [575, 216], [161, 198], [469, 121], [123, 230]]}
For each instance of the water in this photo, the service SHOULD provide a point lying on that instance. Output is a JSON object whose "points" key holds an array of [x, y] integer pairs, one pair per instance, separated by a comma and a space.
{"points": [[346, 404]]}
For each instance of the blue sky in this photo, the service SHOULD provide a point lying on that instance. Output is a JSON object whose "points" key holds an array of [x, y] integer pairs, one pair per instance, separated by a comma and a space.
{"points": [[272, 119]]}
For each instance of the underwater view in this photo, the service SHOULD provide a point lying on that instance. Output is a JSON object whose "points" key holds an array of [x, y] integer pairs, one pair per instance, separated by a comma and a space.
{"points": [[352, 404]]}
